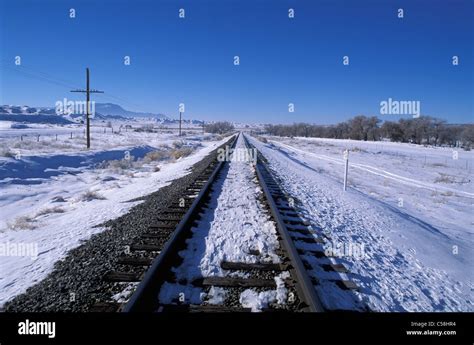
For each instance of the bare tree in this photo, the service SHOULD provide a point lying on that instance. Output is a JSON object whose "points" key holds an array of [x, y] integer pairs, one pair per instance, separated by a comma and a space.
{"points": [[219, 127]]}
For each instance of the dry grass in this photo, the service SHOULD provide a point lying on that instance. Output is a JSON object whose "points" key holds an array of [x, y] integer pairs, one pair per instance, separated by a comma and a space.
{"points": [[358, 149], [178, 144], [445, 178], [50, 210], [182, 152], [118, 166], [91, 195], [156, 156], [438, 165], [6, 152], [22, 223]]}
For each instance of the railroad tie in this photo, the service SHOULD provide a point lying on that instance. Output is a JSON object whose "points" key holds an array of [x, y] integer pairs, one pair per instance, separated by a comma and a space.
{"points": [[169, 219], [254, 252], [346, 284], [243, 266], [105, 307], [309, 239], [154, 235], [238, 282], [146, 247], [316, 253], [134, 261], [335, 267], [117, 276]]}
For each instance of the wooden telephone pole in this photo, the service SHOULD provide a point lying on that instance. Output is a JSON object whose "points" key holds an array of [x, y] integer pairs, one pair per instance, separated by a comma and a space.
{"points": [[88, 91]]}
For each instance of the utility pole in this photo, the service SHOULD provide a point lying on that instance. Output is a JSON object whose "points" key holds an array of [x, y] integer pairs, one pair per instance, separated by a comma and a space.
{"points": [[88, 91], [179, 123]]}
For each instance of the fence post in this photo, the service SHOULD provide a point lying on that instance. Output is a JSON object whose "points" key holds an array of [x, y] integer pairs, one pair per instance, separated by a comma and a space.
{"points": [[346, 167], [38, 138], [71, 135]]}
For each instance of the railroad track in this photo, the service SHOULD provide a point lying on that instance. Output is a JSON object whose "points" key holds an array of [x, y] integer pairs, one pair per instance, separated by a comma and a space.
{"points": [[294, 273], [322, 274]]}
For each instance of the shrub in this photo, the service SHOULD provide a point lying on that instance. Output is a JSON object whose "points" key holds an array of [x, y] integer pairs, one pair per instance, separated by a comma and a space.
{"points": [[157, 155], [22, 223], [182, 152], [5, 152], [50, 210], [178, 144], [91, 195], [117, 164]]}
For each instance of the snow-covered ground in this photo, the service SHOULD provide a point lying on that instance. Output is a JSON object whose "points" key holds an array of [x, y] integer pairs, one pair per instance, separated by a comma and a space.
{"points": [[52, 197], [71, 138], [408, 210], [234, 225]]}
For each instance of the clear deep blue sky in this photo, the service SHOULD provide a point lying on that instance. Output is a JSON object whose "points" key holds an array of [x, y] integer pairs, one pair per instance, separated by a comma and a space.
{"points": [[282, 60]]}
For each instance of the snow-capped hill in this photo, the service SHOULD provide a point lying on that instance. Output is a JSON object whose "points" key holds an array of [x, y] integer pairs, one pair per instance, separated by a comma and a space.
{"points": [[26, 110], [116, 110], [26, 114], [102, 111]]}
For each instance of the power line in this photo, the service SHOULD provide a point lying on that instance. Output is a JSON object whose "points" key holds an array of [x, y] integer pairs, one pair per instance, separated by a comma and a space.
{"points": [[34, 73]]}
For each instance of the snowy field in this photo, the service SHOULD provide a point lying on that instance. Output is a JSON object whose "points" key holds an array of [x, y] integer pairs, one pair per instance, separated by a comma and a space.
{"points": [[54, 193], [408, 207], [71, 138]]}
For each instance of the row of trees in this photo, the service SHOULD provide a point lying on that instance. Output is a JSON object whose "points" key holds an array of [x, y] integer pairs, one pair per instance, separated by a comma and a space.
{"points": [[422, 130], [219, 127]]}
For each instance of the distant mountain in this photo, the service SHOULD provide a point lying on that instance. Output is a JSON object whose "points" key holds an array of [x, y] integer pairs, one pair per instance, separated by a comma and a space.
{"points": [[28, 114], [103, 111], [26, 110], [106, 109]]}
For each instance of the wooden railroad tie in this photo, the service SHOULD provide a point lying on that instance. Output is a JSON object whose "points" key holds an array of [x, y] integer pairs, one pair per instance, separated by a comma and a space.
{"points": [[243, 266], [105, 307], [116, 276], [134, 261], [347, 284], [146, 247], [238, 282], [335, 267], [192, 308]]}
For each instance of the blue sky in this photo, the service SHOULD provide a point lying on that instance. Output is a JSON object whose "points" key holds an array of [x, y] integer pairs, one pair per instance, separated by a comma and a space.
{"points": [[282, 60]]}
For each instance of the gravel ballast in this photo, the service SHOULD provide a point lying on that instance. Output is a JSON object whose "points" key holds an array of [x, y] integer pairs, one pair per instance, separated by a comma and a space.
{"points": [[76, 282]]}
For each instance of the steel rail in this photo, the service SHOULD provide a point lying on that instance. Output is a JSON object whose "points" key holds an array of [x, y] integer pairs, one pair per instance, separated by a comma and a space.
{"points": [[145, 297], [303, 280]]}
